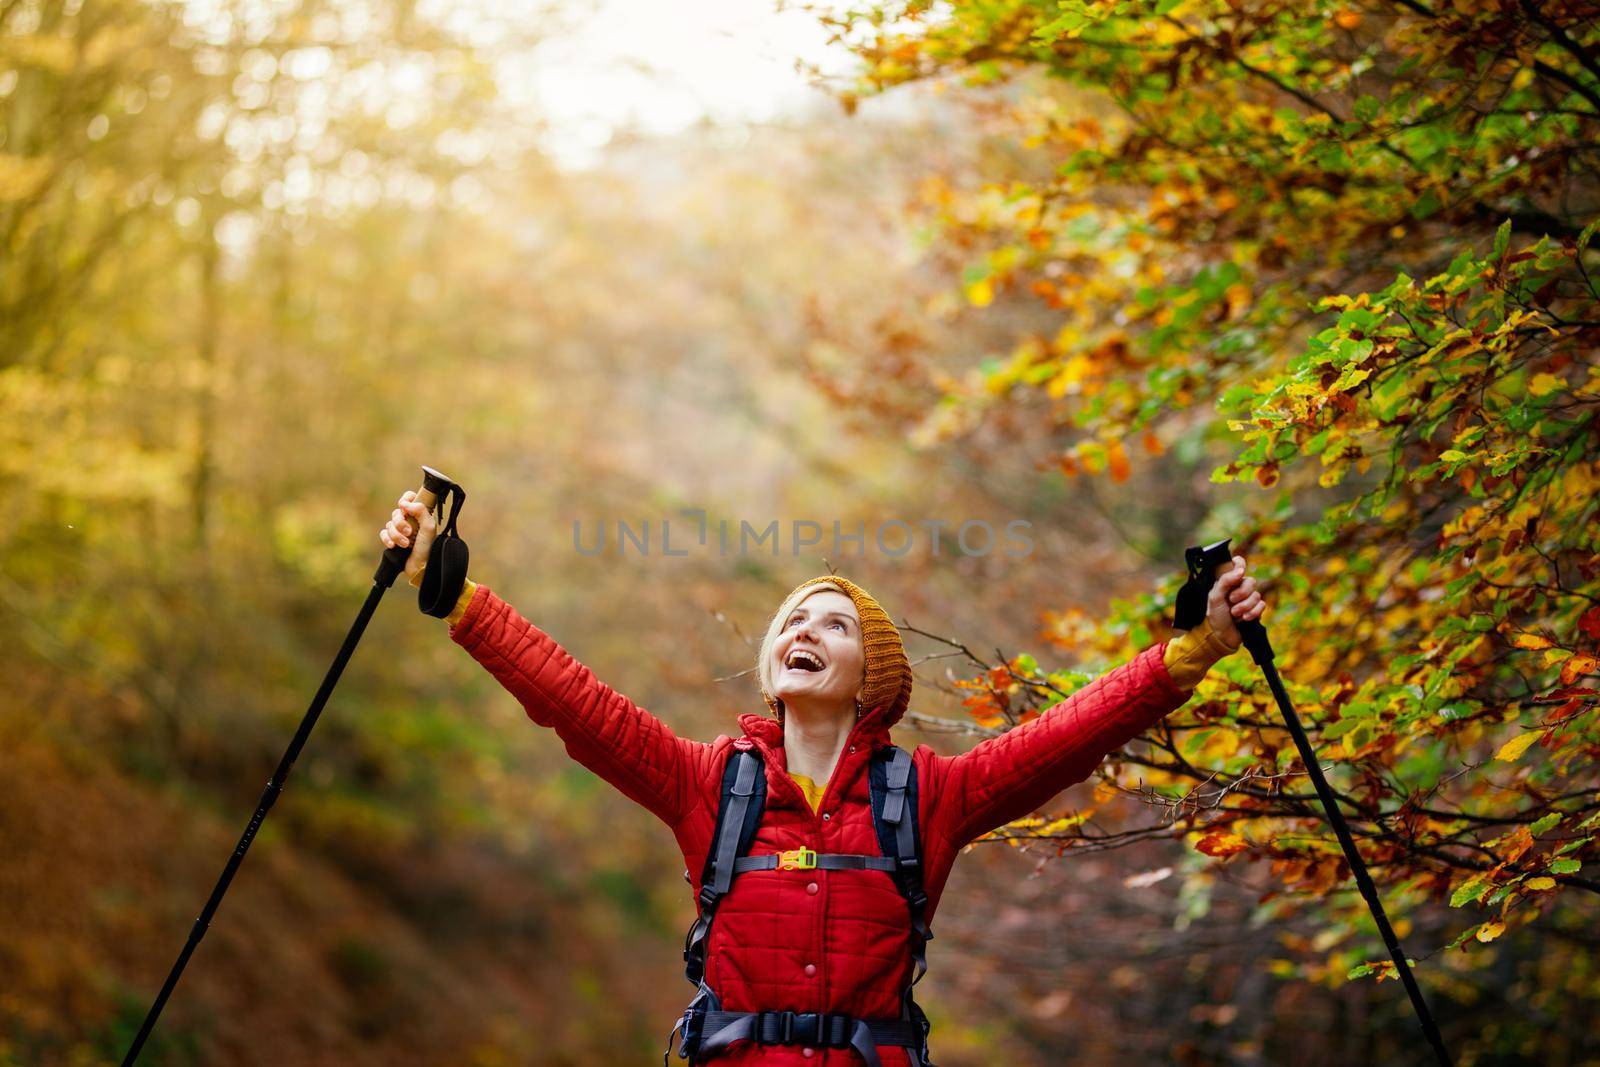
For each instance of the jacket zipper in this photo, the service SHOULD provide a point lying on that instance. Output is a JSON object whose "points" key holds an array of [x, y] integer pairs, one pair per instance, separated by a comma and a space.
{"points": [[850, 743]]}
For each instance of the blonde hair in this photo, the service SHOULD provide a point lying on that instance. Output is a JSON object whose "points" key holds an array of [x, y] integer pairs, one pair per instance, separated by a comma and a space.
{"points": [[775, 627]]}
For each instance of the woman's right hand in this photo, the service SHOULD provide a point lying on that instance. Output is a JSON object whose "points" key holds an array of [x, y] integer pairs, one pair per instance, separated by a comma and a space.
{"points": [[411, 521]]}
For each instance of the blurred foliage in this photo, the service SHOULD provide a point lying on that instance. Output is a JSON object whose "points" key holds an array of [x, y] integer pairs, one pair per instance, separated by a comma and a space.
{"points": [[261, 262]]}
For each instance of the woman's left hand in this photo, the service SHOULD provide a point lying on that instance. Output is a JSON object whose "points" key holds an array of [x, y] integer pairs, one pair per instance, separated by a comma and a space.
{"points": [[1233, 596]]}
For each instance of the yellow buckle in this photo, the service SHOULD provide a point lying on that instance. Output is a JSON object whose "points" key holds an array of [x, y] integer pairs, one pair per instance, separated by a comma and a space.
{"points": [[799, 859]]}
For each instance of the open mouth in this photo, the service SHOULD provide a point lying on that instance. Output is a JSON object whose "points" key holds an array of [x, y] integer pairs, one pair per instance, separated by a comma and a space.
{"points": [[801, 660]]}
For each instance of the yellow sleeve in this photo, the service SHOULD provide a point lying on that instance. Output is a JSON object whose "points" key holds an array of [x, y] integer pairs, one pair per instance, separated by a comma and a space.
{"points": [[811, 789], [461, 602], [467, 589], [1189, 655]]}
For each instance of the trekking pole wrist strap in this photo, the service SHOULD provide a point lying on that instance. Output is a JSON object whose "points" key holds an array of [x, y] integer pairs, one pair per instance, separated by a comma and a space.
{"points": [[445, 573]]}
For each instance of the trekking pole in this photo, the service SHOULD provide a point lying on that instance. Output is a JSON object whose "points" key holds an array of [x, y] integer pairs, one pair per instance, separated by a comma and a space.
{"points": [[1204, 565], [434, 487]]}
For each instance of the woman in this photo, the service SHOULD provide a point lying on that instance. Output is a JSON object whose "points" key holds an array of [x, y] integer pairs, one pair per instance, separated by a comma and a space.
{"points": [[794, 943]]}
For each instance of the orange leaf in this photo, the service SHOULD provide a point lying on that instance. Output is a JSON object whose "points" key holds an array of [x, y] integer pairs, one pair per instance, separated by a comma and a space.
{"points": [[1118, 460], [1578, 666], [1517, 842], [1221, 843]]}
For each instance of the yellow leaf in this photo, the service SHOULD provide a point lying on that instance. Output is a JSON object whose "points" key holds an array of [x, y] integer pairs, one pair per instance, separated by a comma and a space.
{"points": [[1516, 746], [1065, 823], [1540, 884], [981, 294], [1531, 641], [1491, 930], [1352, 375], [1544, 384], [1220, 745]]}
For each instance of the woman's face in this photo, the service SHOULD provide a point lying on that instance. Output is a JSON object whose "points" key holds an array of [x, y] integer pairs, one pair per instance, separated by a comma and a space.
{"points": [[817, 656]]}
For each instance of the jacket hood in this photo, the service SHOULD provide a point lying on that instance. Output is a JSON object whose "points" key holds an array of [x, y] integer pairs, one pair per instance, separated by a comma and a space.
{"points": [[872, 728]]}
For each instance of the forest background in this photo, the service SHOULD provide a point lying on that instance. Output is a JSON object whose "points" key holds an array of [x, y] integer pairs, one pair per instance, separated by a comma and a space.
{"points": [[1142, 273]]}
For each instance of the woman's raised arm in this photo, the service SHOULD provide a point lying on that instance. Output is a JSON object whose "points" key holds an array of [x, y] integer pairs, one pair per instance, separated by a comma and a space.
{"points": [[603, 730], [1006, 777]]}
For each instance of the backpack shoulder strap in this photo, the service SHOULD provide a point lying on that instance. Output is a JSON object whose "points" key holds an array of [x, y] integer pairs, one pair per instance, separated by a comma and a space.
{"points": [[739, 808], [893, 780], [744, 795]]}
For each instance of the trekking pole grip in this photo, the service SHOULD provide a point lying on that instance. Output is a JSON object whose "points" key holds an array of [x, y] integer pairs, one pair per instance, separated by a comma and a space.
{"points": [[1206, 564], [434, 485]]}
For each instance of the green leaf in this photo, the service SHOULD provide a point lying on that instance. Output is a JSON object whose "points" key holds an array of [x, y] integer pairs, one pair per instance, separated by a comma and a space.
{"points": [[1546, 824], [1501, 892], [1195, 741], [1472, 889]]}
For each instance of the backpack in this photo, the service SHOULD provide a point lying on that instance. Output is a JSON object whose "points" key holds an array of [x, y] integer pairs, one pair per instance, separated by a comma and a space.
{"points": [[706, 1029]]}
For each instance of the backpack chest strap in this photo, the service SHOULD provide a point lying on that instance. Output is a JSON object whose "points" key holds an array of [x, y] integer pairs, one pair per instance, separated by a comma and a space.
{"points": [[803, 859]]}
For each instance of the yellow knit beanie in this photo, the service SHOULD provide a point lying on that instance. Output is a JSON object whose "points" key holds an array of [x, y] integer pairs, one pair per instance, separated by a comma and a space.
{"points": [[887, 681]]}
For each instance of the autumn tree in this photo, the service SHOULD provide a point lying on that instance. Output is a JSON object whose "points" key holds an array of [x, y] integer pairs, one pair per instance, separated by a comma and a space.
{"points": [[1346, 249]]}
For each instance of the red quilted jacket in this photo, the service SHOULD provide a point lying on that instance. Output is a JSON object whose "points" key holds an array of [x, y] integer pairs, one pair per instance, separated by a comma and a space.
{"points": [[812, 940]]}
